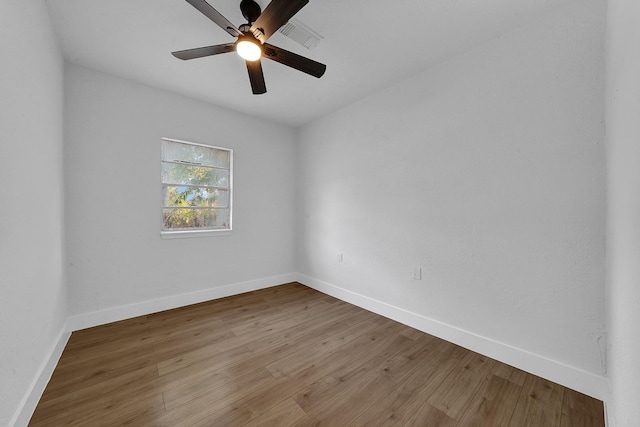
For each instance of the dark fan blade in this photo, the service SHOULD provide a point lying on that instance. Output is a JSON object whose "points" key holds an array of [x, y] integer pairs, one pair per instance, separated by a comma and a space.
{"points": [[256, 77], [208, 11], [294, 60], [200, 52], [276, 14]]}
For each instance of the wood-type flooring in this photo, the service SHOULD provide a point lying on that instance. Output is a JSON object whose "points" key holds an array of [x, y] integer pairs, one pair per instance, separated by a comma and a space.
{"points": [[291, 356]]}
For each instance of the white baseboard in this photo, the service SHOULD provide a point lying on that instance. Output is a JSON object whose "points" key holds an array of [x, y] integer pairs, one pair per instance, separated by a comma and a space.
{"points": [[568, 376], [34, 393], [114, 314]]}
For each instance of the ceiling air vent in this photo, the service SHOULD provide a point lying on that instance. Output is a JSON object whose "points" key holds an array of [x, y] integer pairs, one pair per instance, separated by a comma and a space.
{"points": [[301, 34]]}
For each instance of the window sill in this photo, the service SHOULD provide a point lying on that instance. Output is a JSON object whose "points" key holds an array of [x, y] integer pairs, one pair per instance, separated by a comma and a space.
{"points": [[191, 234]]}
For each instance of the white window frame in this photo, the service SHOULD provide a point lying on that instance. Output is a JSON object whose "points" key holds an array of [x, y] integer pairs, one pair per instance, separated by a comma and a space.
{"points": [[183, 234]]}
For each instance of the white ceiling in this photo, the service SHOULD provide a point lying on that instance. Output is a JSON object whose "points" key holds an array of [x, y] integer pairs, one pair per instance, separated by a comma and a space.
{"points": [[367, 45]]}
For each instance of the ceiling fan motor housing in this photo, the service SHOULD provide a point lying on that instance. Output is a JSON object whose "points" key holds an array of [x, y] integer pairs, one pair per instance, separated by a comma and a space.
{"points": [[250, 10]]}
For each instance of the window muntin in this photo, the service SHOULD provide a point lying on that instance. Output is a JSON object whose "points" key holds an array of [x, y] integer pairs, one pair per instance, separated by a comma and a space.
{"points": [[196, 187]]}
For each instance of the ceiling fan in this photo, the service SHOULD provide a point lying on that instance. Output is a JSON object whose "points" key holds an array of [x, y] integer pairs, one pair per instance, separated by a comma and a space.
{"points": [[251, 39]]}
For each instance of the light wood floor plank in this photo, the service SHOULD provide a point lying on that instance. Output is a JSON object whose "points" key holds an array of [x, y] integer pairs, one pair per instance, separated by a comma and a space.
{"points": [[285, 414], [427, 415], [453, 394], [291, 356], [579, 410], [540, 403], [398, 406], [263, 400], [488, 406], [216, 401], [323, 392]]}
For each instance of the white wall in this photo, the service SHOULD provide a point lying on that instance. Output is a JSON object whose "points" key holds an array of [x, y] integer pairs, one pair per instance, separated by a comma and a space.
{"points": [[623, 214], [486, 171], [32, 285], [116, 256]]}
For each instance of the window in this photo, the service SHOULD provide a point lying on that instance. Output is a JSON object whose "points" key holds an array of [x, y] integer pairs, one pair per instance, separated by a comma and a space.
{"points": [[196, 189]]}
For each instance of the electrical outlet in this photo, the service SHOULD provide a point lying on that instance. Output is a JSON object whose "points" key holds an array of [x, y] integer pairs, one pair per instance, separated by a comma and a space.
{"points": [[417, 273], [339, 256]]}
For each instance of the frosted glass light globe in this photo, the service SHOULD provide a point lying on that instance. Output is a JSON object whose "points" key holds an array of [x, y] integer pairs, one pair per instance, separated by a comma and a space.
{"points": [[248, 50]]}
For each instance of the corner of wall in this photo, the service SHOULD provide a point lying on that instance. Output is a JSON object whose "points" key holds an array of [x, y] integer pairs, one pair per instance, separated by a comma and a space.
{"points": [[30, 400]]}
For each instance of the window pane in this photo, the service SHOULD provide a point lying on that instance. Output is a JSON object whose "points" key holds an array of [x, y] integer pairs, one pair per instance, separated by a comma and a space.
{"points": [[195, 175], [194, 154], [178, 196], [194, 218], [196, 190]]}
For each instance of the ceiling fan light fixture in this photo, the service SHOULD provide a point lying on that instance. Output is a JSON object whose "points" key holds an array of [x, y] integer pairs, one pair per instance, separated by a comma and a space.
{"points": [[251, 39], [248, 48]]}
